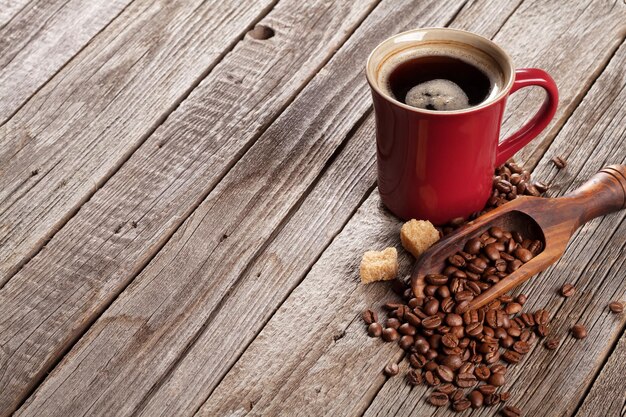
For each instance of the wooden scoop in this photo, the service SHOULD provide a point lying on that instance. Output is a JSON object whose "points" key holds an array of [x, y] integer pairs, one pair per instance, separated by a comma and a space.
{"points": [[550, 220]]}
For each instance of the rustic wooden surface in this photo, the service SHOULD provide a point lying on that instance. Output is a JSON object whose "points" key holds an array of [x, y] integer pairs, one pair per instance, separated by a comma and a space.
{"points": [[183, 206]]}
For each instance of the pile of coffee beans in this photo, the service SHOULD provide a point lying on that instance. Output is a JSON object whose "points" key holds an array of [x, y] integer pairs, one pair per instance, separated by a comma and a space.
{"points": [[452, 348], [509, 182]]}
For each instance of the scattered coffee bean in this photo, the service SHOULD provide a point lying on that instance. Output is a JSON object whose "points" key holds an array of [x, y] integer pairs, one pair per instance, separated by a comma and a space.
{"points": [[414, 377], [457, 395], [616, 307], [559, 162], [447, 389], [510, 411], [393, 323], [392, 369], [579, 331], [567, 290], [390, 334], [374, 330], [369, 316], [505, 396], [438, 399], [476, 398], [552, 344], [497, 380], [461, 405]]}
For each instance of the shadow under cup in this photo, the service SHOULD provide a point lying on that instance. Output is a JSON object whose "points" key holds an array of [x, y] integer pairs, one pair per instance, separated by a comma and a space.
{"points": [[437, 165]]}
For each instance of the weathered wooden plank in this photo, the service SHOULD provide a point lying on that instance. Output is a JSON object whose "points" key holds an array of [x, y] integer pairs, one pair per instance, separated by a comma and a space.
{"points": [[607, 396], [41, 39], [10, 8], [87, 120], [595, 260], [165, 315], [55, 297]]}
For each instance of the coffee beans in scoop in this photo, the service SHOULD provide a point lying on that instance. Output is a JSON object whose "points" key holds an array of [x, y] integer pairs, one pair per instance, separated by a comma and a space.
{"points": [[509, 182], [463, 354]]}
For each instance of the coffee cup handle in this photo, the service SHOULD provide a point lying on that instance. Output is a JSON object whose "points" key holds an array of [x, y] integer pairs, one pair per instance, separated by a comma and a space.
{"points": [[527, 77]]}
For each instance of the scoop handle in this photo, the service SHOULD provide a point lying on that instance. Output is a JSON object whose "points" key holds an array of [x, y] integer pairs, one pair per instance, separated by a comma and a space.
{"points": [[604, 193]]}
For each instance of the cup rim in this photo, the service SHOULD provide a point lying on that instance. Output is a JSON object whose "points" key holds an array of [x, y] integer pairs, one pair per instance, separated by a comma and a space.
{"points": [[370, 73]]}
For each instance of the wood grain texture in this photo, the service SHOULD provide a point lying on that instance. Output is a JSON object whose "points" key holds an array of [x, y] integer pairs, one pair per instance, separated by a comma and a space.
{"points": [[163, 311], [573, 44], [41, 39], [594, 262], [607, 396], [10, 8], [59, 293], [86, 121]]}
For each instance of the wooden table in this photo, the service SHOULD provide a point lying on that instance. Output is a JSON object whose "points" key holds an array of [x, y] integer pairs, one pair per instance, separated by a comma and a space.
{"points": [[184, 204]]}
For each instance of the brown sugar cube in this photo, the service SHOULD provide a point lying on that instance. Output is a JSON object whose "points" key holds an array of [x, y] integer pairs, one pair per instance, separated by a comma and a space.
{"points": [[379, 266], [417, 236]]}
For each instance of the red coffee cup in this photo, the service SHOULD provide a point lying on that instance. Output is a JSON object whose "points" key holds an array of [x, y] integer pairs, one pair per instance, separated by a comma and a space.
{"points": [[438, 165]]}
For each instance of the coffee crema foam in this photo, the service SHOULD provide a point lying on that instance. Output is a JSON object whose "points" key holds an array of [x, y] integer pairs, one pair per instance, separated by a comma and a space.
{"points": [[475, 57]]}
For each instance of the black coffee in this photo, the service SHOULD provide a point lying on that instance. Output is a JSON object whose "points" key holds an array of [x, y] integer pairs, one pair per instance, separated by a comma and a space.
{"points": [[432, 76]]}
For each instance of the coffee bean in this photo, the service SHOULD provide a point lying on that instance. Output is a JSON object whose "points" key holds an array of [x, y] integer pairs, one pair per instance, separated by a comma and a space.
{"points": [[457, 261], [414, 377], [513, 265], [446, 388], [510, 411], [511, 356], [541, 317], [559, 162], [374, 330], [461, 308], [390, 334], [616, 307], [431, 307], [487, 389], [476, 398], [417, 360], [453, 362], [436, 279], [392, 323], [392, 369], [369, 316], [431, 366], [457, 395], [492, 399], [477, 265], [431, 379], [445, 374], [474, 329], [407, 329], [497, 380], [450, 340], [521, 347], [505, 396], [567, 290], [543, 330], [473, 246], [521, 299], [412, 319], [438, 399], [579, 331], [482, 372], [492, 252], [465, 380], [461, 405], [523, 255], [454, 320], [496, 232], [513, 308], [431, 322], [498, 369], [406, 342]]}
